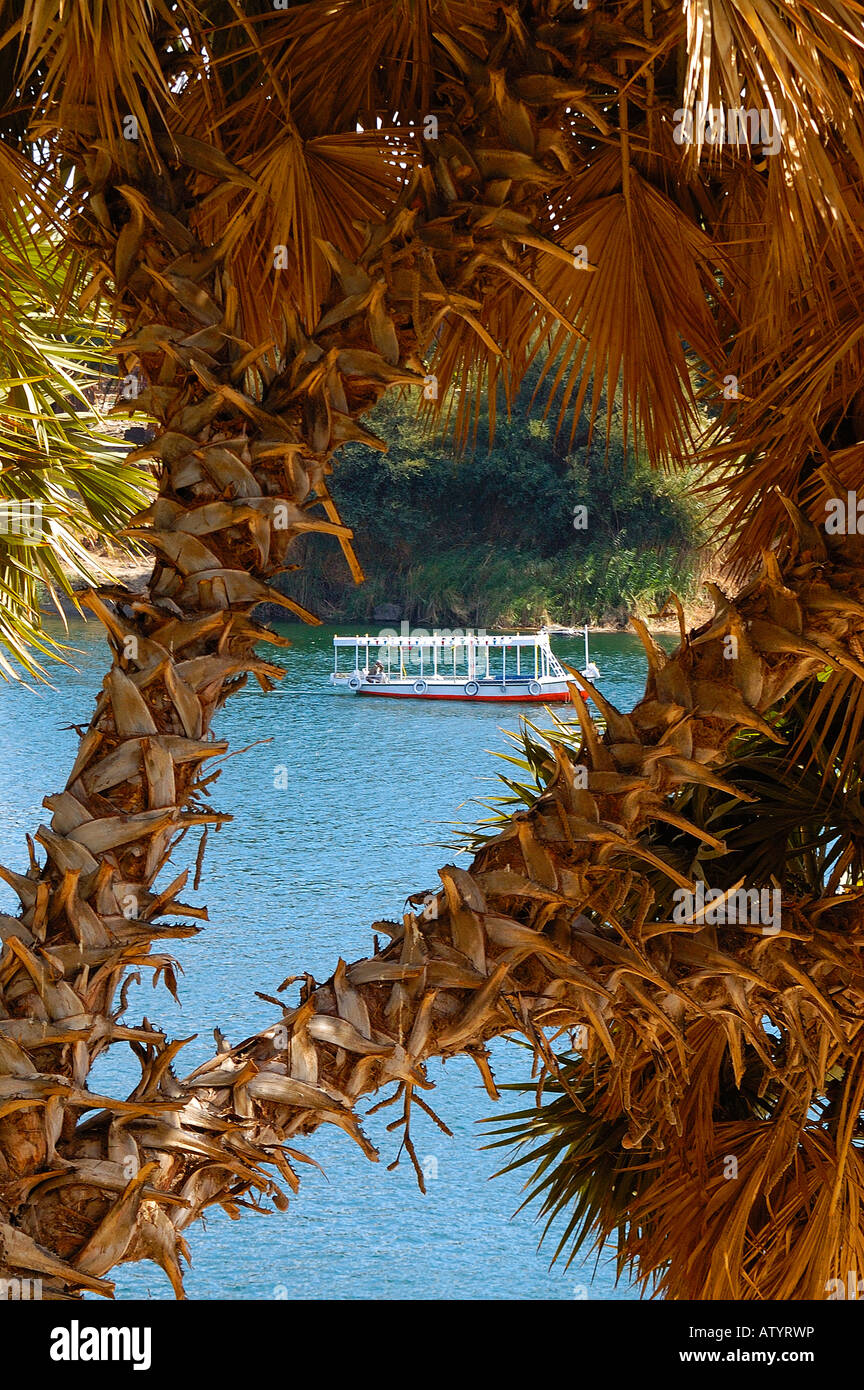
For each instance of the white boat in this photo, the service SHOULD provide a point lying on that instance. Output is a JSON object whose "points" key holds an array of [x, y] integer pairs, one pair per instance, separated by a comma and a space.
{"points": [[469, 666]]}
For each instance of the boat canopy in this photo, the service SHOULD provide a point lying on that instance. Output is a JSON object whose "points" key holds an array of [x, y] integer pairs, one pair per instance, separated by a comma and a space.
{"points": [[533, 657], [537, 639]]}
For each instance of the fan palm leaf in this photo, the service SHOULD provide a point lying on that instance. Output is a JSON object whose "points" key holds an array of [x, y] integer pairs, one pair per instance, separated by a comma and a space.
{"points": [[63, 482]]}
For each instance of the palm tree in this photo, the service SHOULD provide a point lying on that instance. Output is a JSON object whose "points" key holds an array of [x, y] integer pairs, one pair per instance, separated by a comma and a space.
{"points": [[65, 483], [292, 212]]}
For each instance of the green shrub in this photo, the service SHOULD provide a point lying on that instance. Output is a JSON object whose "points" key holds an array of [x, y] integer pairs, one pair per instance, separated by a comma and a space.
{"points": [[490, 539]]}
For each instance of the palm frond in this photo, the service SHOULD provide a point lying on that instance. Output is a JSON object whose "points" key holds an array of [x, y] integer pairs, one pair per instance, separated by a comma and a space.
{"points": [[64, 482]]}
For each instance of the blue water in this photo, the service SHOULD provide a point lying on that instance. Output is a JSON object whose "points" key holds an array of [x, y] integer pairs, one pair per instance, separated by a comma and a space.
{"points": [[295, 881]]}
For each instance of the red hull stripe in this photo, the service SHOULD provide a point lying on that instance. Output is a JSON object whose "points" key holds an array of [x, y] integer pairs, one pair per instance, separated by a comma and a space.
{"points": [[474, 699]]}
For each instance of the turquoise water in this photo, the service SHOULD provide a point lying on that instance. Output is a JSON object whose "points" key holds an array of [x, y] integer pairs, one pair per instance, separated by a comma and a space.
{"points": [[291, 884]]}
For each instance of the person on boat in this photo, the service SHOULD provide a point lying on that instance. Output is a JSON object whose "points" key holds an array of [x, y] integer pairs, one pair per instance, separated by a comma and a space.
{"points": [[375, 672]]}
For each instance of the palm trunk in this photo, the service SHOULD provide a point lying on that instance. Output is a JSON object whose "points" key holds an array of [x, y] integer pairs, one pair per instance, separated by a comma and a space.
{"points": [[240, 476]]}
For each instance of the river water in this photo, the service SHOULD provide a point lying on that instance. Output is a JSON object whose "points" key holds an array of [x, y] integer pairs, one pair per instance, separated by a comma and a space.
{"points": [[293, 882]]}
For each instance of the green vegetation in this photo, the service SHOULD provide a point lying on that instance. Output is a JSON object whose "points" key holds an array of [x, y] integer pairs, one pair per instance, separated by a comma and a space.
{"points": [[65, 485], [491, 538]]}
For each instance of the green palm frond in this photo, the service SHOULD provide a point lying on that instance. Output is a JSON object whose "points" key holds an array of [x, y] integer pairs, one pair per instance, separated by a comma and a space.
{"points": [[578, 1172], [64, 483]]}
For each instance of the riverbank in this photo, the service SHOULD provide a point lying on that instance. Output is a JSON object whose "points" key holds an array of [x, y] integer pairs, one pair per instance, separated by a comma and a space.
{"points": [[134, 571], [537, 530]]}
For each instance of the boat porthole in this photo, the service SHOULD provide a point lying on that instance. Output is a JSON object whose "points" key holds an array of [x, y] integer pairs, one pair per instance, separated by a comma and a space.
{"points": [[419, 687], [354, 683], [471, 688], [535, 688]]}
